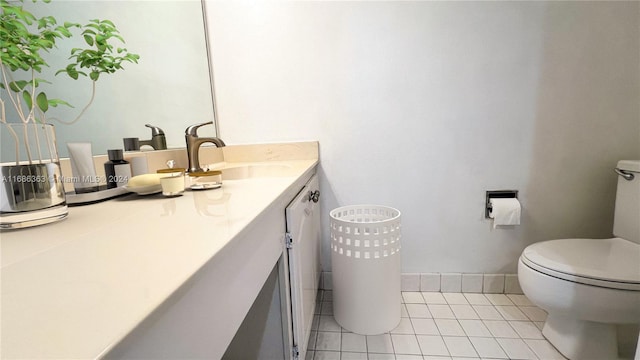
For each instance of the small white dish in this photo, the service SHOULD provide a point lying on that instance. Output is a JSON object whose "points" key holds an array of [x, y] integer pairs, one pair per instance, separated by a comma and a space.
{"points": [[144, 190]]}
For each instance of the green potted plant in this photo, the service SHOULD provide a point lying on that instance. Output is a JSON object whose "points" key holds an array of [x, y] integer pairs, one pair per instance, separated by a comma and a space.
{"points": [[32, 183]]}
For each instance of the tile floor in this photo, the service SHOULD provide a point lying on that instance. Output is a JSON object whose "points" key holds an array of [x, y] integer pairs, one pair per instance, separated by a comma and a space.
{"points": [[438, 326]]}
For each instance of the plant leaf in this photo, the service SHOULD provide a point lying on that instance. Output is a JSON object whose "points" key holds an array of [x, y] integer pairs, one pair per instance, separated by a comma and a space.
{"points": [[18, 85], [89, 40], [27, 99], [56, 102], [42, 102]]}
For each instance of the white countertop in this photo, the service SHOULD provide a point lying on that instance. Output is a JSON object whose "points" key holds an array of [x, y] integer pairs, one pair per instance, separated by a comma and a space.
{"points": [[73, 289]]}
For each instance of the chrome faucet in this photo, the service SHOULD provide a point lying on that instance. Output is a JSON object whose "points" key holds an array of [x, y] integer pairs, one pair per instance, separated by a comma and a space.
{"points": [[157, 142], [193, 145]]}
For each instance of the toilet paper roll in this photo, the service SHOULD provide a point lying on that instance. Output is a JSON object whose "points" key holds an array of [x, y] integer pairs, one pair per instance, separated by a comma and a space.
{"points": [[505, 211]]}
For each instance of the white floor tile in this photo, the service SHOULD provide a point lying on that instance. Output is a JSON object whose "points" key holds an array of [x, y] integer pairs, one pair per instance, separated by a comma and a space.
{"points": [[455, 298], [412, 297], [474, 328], [328, 323], [488, 347], [487, 312], [511, 312], [381, 356], [327, 308], [354, 342], [379, 344], [403, 311], [534, 313], [434, 298], [449, 327], [500, 329], [327, 355], [309, 355], [519, 300], [319, 295], [526, 329], [459, 346], [441, 312], [477, 299], [432, 345], [425, 326], [418, 311], [404, 327], [439, 326], [516, 349], [464, 312], [498, 299], [328, 341], [408, 357], [353, 356], [311, 345], [544, 350], [405, 344]]}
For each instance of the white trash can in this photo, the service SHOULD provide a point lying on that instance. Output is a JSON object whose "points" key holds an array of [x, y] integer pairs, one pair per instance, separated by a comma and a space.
{"points": [[365, 265]]}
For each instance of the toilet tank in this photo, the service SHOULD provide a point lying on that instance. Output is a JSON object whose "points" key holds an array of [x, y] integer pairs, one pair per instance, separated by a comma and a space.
{"points": [[626, 223]]}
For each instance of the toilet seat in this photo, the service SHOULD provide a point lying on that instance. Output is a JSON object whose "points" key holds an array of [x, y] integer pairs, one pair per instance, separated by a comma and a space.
{"points": [[610, 263]]}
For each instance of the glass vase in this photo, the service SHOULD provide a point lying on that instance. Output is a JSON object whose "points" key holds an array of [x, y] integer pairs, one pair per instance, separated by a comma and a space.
{"points": [[32, 192]]}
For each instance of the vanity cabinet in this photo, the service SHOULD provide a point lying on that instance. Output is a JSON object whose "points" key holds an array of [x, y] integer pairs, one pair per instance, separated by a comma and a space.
{"points": [[303, 260], [150, 277], [263, 306]]}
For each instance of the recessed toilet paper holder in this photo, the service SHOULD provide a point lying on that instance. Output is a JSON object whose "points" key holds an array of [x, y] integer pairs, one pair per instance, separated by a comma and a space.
{"points": [[502, 194]]}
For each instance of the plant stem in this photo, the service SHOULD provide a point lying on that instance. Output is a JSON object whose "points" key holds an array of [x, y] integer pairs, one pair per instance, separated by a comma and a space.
{"points": [[16, 142], [25, 136], [93, 95], [32, 115], [17, 105]]}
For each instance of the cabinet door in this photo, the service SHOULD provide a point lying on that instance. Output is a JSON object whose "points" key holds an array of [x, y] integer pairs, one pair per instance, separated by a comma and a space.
{"points": [[303, 229]]}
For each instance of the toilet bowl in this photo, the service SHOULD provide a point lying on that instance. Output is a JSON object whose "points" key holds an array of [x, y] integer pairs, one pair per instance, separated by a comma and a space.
{"points": [[589, 286]]}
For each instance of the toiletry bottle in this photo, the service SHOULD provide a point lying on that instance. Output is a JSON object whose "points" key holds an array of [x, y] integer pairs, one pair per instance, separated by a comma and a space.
{"points": [[117, 170], [85, 178]]}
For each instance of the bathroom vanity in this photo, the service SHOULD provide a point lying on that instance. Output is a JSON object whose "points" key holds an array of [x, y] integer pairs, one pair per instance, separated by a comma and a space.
{"points": [[156, 277]]}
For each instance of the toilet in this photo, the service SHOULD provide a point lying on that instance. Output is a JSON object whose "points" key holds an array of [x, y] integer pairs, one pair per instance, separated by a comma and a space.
{"points": [[590, 286]]}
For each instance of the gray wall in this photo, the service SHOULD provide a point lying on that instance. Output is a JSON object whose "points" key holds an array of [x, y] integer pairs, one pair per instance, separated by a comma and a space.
{"points": [[425, 105]]}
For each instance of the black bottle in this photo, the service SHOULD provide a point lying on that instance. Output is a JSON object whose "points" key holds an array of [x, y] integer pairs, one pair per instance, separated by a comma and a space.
{"points": [[117, 170]]}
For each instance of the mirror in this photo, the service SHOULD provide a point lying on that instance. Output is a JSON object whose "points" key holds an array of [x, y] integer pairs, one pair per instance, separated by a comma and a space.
{"points": [[170, 86]]}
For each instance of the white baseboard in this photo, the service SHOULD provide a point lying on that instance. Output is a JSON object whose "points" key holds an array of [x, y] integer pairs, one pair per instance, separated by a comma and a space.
{"points": [[450, 282]]}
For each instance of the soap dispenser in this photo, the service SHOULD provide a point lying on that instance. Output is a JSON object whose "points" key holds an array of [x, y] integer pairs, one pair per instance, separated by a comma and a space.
{"points": [[117, 170]]}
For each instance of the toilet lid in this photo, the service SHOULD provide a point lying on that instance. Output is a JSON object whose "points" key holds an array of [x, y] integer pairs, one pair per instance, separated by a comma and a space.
{"points": [[612, 263]]}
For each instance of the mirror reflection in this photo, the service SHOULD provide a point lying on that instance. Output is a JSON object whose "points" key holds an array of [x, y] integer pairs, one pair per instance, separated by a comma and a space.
{"points": [[169, 88]]}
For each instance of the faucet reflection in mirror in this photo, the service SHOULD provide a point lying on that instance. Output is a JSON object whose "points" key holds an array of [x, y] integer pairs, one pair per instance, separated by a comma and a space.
{"points": [[157, 142], [193, 145]]}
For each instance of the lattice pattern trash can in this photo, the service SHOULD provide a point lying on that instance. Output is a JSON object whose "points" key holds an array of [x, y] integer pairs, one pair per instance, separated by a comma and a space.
{"points": [[365, 265]]}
